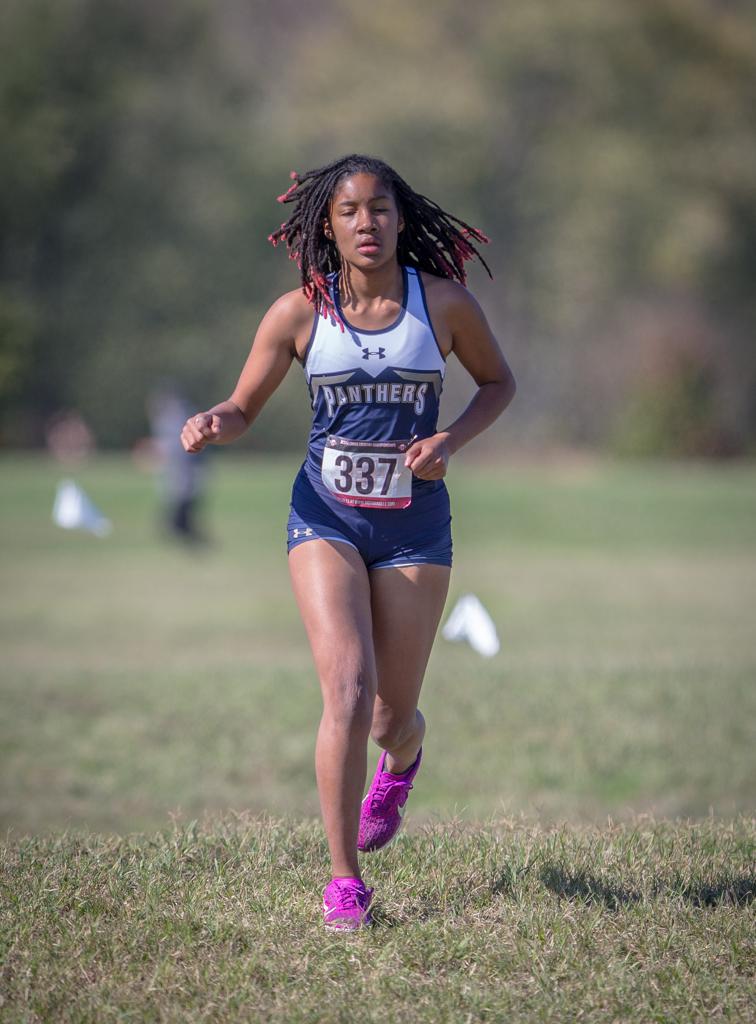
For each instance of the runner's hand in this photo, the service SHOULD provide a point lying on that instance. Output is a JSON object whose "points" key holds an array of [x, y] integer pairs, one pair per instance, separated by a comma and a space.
{"points": [[199, 430], [429, 458]]}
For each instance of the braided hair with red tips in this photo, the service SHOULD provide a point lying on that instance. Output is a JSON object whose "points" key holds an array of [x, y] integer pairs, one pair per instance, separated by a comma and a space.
{"points": [[432, 240]]}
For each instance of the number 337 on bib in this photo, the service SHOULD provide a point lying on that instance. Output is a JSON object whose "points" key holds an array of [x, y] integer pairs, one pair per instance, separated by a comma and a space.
{"points": [[371, 474]]}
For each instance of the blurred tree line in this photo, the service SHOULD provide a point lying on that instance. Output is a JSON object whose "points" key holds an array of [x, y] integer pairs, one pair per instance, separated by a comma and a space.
{"points": [[608, 148]]}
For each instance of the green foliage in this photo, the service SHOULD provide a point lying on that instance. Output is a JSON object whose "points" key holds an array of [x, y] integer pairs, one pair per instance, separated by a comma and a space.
{"points": [[606, 148], [17, 329], [130, 233], [676, 417]]}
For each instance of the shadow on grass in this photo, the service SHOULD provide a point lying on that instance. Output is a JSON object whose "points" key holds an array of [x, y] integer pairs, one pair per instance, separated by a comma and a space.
{"points": [[579, 885], [583, 886], [738, 892], [383, 919]]}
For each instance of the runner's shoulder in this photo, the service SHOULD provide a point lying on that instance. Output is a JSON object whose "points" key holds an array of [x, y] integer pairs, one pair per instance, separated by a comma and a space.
{"points": [[448, 300], [292, 310], [288, 322]]}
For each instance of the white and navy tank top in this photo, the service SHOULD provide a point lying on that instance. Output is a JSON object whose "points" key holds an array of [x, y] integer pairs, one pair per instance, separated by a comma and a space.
{"points": [[380, 385]]}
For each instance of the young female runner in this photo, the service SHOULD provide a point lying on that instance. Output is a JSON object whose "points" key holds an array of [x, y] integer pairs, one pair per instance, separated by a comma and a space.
{"points": [[382, 304]]}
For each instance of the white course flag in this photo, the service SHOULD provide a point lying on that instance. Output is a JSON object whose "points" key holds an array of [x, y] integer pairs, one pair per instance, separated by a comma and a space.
{"points": [[470, 621], [74, 511]]}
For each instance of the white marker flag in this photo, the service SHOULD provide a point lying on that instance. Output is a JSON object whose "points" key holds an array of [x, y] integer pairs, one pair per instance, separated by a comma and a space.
{"points": [[470, 621], [74, 511]]}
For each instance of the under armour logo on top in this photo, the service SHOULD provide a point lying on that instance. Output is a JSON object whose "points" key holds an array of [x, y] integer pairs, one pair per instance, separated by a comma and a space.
{"points": [[380, 352], [296, 532]]}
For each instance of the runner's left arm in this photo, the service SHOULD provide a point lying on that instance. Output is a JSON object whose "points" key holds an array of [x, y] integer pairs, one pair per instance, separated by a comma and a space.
{"points": [[474, 344]]}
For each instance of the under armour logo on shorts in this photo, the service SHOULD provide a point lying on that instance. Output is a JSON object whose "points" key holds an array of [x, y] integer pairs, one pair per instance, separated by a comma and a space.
{"points": [[380, 352], [296, 532]]}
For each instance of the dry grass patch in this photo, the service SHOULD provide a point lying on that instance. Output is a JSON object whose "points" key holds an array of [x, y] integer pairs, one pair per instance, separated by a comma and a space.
{"points": [[508, 922]]}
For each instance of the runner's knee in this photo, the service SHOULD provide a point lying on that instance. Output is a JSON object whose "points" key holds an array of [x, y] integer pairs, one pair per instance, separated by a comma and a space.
{"points": [[348, 701]]}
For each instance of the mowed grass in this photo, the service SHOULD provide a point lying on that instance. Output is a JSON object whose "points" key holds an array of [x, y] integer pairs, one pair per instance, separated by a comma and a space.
{"points": [[512, 922], [144, 686], [141, 680]]}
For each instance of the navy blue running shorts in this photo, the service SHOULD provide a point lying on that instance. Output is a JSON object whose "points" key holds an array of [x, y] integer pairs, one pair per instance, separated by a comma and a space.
{"points": [[418, 535]]}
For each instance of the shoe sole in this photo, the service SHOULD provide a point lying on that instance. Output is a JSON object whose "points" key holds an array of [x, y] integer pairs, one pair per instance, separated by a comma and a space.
{"points": [[348, 927]]}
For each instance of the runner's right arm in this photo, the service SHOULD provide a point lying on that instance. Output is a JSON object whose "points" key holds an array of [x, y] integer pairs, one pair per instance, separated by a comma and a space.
{"points": [[276, 344]]}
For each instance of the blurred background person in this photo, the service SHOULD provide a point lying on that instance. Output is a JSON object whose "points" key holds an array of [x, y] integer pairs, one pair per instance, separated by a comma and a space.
{"points": [[181, 477]]}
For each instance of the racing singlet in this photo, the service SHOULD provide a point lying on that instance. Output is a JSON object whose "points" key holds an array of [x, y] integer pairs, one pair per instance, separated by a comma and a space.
{"points": [[373, 393]]}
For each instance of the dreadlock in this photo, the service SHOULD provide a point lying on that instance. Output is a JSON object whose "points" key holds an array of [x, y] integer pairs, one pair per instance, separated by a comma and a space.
{"points": [[432, 239]]}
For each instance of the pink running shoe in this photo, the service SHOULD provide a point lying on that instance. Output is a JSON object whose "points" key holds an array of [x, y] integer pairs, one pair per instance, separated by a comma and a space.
{"points": [[383, 807], [346, 904]]}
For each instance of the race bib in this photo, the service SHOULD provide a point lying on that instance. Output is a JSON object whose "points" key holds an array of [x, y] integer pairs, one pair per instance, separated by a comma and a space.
{"points": [[371, 474]]}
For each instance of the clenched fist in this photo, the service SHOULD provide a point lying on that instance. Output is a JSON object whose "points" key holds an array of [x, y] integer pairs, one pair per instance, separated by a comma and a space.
{"points": [[200, 430], [428, 459]]}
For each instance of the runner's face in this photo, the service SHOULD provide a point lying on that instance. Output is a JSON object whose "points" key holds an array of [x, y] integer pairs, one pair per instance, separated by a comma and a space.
{"points": [[364, 221]]}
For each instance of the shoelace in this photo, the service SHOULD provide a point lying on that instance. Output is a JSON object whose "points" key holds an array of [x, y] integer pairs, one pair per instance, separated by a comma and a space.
{"points": [[349, 894], [389, 792]]}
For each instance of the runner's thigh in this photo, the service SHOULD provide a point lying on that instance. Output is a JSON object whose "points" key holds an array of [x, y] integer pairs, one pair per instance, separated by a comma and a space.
{"points": [[407, 603], [332, 590]]}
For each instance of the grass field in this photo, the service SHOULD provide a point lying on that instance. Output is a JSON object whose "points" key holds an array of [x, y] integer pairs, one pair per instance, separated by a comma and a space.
{"points": [[144, 686], [632, 924], [140, 680]]}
